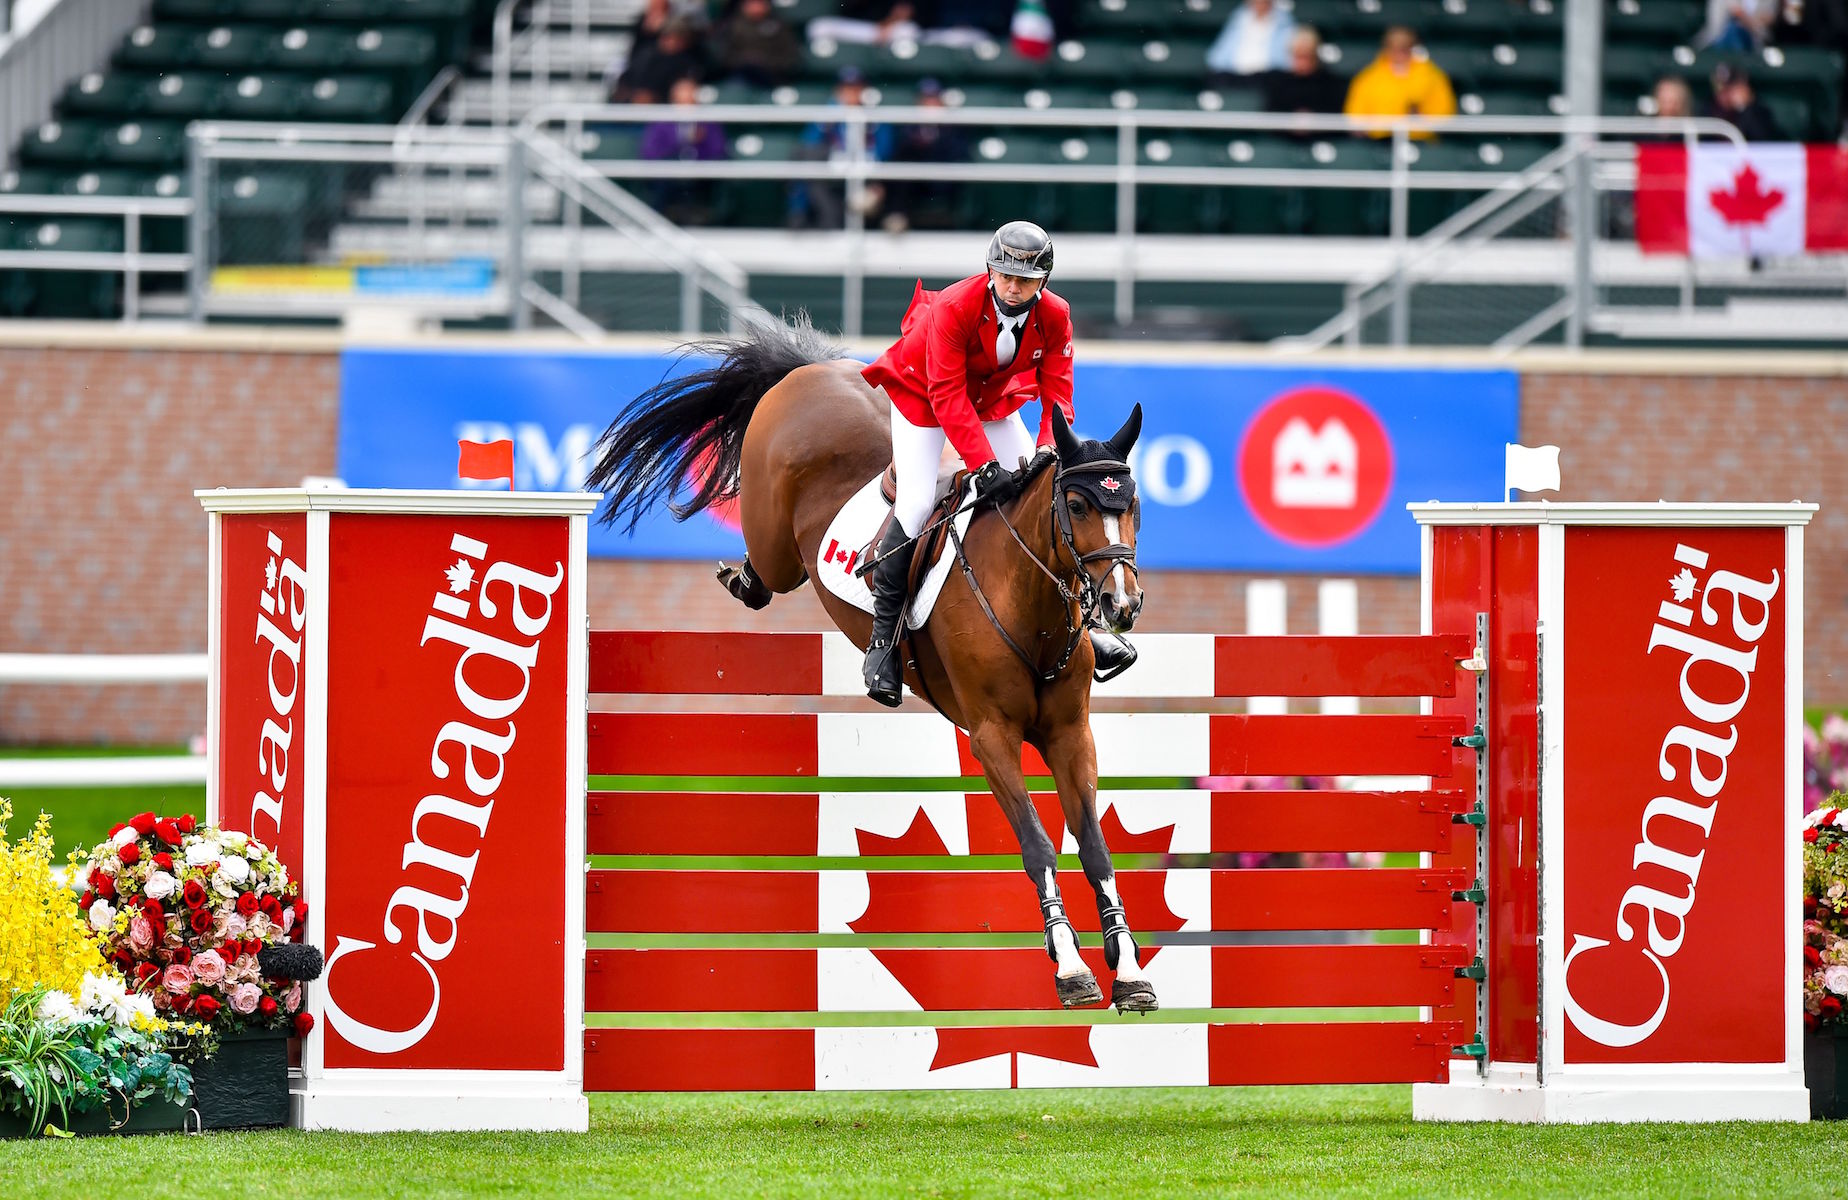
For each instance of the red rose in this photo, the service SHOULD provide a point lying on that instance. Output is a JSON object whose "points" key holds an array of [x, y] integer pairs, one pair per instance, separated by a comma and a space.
{"points": [[247, 905], [182, 955], [186, 823], [193, 893], [201, 920], [143, 823], [272, 908], [1809, 1021], [303, 1023], [145, 972], [206, 1006], [1809, 835], [182, 1003], [105, 887], [253, 946], [267, 1006], [118, 827], [89, 898], [1824, 913], [1831, 1006], [164, 861], [167, 831], [1812, 956], [130, 854], [301, 911]]}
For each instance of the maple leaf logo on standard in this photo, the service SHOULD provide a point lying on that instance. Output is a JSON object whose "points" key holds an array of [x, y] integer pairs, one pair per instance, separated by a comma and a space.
{"points": [[1748, 203]]}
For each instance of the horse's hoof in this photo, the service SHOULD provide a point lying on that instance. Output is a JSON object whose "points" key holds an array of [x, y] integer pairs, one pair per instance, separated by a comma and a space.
{"points": [[1077, 991], [1133, 995]]}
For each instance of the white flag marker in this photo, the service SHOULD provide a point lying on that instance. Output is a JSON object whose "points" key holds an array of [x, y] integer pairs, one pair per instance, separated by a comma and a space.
{"points": [[1531, 468]]}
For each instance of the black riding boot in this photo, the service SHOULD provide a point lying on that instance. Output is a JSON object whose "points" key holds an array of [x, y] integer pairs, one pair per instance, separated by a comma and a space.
{"points": [[1114, 655], [884, 673]]}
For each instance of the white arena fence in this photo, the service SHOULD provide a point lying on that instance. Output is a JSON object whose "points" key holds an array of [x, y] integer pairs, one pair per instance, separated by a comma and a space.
{"points": [[154, 769]]}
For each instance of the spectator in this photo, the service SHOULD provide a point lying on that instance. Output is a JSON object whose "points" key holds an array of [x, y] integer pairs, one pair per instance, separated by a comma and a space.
{"points": [[926, 202], [1812, 23], [1739, 25], [1399, 83], [1308, 86], [816, 201], [756, 46], [870, 22], [1734, 100], [647, 28], [1673, 98], [674, 55], [1255, 40], [685, 201]]}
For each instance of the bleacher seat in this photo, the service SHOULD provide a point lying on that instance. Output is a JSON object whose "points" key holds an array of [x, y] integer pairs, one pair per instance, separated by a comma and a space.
{"points": [[260, 97], [230, 47], [356, 99], [114, 93], [1652, 22], [109, 181], [143, 143], [261, 217], [406, 56], [156, 48], [182, 95], [30, 181], [65, 293], [318, 49], [1098, 61], [59, 142]]}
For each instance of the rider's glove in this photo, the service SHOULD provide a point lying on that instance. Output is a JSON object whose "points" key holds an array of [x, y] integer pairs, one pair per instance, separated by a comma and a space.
{"points": [[995, 482]]}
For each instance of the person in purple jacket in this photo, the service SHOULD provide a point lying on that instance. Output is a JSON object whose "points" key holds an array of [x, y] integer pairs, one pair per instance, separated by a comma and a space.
{"points": [[685, 201]]}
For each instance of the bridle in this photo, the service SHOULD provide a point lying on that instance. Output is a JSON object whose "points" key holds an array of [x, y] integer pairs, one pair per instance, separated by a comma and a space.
{"points": [[1090, 593]]}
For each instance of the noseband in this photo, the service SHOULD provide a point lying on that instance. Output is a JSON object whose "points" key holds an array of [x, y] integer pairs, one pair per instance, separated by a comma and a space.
{"points": [[1089, 595]]}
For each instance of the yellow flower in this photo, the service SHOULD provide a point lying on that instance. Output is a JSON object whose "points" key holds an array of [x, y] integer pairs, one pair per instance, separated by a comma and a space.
{"points": [[44, 940]]}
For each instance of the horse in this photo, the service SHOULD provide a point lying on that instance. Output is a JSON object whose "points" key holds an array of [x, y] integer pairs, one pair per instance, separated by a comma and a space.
{"points": [[785, 426]]}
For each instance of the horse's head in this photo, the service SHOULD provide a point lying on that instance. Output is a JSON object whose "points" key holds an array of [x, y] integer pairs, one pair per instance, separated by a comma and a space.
{"points": [[1098, 516]]}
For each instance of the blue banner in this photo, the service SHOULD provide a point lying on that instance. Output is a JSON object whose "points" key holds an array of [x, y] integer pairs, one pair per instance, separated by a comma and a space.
{"points": [[1240, 467]]}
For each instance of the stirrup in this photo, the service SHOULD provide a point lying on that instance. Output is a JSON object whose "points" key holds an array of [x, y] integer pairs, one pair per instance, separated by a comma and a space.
{"points": [[742, 582], [873, 674], [1112, 655]]}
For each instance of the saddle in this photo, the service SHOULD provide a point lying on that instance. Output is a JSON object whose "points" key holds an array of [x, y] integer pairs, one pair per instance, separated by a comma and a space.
{"points": [[924, 551]]}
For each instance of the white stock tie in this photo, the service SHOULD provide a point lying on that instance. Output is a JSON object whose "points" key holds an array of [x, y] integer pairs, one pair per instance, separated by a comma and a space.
{"points": [[1007, 338]]}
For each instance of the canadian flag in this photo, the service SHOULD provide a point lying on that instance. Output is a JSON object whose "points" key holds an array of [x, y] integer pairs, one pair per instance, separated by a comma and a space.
{"points": [[1767, 200]]}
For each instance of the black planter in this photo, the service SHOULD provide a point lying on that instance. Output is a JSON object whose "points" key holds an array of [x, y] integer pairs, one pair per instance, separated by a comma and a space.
{"points": [[246, 1084], [150, 1116], [1825, 1071]]}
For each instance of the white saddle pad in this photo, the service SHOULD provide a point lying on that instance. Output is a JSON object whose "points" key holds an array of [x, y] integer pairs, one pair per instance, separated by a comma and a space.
{"points": [[848, 535]]}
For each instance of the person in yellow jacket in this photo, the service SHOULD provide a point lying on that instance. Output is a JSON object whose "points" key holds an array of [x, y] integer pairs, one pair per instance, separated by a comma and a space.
{"points": [[1398, 83]]}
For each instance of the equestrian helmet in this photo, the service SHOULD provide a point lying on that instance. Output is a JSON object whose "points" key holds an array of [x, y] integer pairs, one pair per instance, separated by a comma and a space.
{"points": [[1021, 248]]}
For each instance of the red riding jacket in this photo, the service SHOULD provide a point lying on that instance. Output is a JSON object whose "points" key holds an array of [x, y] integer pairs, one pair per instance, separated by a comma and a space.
{"points": [[941, 371]]}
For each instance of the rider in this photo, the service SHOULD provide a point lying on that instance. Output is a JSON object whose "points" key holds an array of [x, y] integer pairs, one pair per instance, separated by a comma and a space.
{"points": [[966, 360]]}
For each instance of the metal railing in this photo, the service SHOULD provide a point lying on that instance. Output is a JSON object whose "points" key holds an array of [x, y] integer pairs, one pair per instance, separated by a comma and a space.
{"points": [[533, 41], [131, 262], [89, 670], [73, 37]]}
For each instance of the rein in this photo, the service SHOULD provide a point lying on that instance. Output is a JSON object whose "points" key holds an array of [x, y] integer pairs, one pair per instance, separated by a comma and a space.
{"points": [[1089, 594]]}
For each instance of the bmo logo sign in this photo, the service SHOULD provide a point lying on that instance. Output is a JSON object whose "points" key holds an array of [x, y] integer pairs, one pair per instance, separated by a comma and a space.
{"points": [[1315, 466]]}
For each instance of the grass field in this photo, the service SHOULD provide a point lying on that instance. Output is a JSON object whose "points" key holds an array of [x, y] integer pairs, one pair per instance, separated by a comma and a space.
{"points": [[1266, 1141]]}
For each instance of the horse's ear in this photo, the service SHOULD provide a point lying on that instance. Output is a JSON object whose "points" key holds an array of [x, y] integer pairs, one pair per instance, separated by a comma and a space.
{"points": [[1124, 438], [1062, 436]]}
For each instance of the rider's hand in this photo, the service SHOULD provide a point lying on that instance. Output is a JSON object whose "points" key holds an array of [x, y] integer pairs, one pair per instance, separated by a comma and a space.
{"points": [[995, 482]]}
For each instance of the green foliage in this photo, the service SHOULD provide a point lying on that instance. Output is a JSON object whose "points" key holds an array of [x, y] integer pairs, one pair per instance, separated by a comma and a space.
{"points": [[86, 1065], [41, 1064]]}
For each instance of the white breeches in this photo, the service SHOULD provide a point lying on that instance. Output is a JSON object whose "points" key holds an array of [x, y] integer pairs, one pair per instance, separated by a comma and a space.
{"points": [[917, 451]]}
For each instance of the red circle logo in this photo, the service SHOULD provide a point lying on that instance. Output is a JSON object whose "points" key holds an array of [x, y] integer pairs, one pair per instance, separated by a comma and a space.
{"points": [[1315, 466]]}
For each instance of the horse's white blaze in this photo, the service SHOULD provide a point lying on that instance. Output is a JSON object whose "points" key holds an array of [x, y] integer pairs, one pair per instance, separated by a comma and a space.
{"points": [[1116, 572], [1064, 945], [1127, 967]]}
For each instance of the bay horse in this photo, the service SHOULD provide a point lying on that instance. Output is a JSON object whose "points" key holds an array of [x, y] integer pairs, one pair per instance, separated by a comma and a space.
{"points": [[785, 425]]}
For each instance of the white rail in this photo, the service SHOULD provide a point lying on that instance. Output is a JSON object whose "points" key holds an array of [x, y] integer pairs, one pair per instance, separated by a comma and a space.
{"points": [[129, 771], [102, 668]]}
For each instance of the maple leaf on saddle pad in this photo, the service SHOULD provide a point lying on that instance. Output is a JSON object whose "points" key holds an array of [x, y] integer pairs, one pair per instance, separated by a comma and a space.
{"points": [[947, 979], [1747, 203]]}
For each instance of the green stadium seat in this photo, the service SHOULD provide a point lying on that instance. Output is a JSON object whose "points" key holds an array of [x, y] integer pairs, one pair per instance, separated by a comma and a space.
{"points": [[230, 47], [17, 291], [825, 59], [737, 91], [30, 181], [1177, 208], [1085, 207], [1066, 95], [911, 60], [429, 12], [617, 142], [1348, 212], [986, 203], [1504, 104], [1540, 21], [1636, 68], [1230, 100], [350, 99], [143, 143], [1536, 66], [1171, 60], [304, 48], [1481, 21], [59, 142], [109, 181], [994, 62], [1347, 57], [1371, 18], [276, 12], [985, 95], [1792, 114], [1100, 61], [800, 12], [367, 12], [1155, 97], [406, 56], [1652, 22], [102, 94], [261, 97], [183, 95], [261, 217], [1120, 18], [1425, 207], [156, 48], [1255, 211], [198, 11], [85, 295], [165, 235]]}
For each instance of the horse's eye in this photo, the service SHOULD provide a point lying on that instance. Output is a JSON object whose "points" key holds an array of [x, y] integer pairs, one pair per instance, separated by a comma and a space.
{"points": [[1076, 506]]}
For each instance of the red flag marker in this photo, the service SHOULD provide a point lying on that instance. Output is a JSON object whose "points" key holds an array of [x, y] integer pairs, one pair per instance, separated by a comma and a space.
{"points": [[485, 460]]}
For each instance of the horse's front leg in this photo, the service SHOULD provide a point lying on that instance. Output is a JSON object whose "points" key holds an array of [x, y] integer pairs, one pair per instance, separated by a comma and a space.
{"points": [[997, 748], [1072, 756]]}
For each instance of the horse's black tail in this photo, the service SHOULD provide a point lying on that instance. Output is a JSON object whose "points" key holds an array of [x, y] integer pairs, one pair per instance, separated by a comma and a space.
{"points": [[688, 432]]}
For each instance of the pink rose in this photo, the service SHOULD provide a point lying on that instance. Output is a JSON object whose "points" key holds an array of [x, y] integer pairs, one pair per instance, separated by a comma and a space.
{"points": [[209, 967], [177, 978], [141, 934], [234, 926], [244, 997], [292, 999]]}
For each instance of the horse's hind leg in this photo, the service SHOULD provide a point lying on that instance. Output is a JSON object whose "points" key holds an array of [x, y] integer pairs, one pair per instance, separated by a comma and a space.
{"points": [[997, 748], [1072, 757]]}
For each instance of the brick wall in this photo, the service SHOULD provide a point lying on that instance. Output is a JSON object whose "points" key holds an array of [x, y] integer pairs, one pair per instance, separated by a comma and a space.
{"points": [[107, 434]]}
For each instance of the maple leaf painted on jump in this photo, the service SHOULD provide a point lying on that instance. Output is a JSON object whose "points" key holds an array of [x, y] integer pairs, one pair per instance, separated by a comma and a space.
{"points": [[269, 576], [461, 576], [1747, 203], [1682, 585], [940, 980]]}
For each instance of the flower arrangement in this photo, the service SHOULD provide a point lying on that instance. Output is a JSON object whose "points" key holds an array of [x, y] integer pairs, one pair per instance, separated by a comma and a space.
{"points": [[1825, 760], [186, 911], [1825, 915]]}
